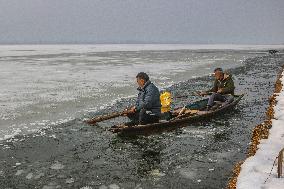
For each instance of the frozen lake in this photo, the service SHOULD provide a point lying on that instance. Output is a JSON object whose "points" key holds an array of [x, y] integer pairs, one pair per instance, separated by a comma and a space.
{"points": [[43, 85]]}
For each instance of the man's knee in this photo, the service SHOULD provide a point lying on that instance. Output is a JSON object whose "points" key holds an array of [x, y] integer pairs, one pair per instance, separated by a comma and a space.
{"points": [[212, 96], [230, 98]]}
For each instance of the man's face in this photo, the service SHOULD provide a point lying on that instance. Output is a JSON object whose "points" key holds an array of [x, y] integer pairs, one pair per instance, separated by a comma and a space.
{"points": [[140, 82], [219, 75]]}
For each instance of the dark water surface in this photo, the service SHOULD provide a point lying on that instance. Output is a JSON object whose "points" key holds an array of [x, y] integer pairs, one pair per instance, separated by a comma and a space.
{"points": [[201, 155]]}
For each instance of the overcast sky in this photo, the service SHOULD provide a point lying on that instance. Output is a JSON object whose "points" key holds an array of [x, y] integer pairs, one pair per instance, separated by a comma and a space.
{"points": [[142, 21]]}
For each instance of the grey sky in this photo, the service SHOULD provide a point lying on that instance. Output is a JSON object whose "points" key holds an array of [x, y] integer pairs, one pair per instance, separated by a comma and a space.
{"points": [[142, 21]]}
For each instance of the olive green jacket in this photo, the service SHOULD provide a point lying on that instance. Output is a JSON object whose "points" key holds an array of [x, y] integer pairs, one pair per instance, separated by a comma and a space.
{"points": [[227, 85]]}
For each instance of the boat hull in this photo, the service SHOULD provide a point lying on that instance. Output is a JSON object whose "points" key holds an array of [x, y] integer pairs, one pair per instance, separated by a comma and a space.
{"points": [[175, 122]]}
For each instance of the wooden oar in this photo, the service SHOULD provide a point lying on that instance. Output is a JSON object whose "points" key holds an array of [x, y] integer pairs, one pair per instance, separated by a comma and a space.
{"points": [[106, 117]]}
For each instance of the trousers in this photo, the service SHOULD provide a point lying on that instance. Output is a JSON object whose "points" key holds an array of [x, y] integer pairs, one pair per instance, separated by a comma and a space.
{"points": [[142, 118], [219, 97]]}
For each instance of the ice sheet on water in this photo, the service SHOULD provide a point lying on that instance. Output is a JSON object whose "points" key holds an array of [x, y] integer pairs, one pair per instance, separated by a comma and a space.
{"points": [[20, 50], [53, 82], [14, 133]]}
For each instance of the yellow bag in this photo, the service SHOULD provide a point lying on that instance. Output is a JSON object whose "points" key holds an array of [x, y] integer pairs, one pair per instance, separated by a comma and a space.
{"points": [[166, 100]]}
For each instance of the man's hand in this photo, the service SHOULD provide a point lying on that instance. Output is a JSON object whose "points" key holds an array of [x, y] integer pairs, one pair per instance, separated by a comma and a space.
{"points": [[132, 110], [220, 91], [203, 93]]}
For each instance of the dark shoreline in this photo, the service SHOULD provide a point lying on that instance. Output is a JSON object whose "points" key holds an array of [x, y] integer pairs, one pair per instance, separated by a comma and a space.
{"points": [[74, 155]]}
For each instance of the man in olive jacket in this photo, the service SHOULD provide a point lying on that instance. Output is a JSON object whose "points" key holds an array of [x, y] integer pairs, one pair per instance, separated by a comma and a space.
{"points": [[223, 88], [147, 108]]}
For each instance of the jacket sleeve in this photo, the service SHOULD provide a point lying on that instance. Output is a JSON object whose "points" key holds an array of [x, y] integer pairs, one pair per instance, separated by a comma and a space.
{"points": [[138, 103], [229, 87]]}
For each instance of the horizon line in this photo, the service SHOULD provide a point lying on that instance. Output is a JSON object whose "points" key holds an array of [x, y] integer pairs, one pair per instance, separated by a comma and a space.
{"points": [[201, 44]]}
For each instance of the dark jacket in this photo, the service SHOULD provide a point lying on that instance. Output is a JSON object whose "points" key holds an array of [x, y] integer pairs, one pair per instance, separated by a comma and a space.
{"points": [[227, 84], [149, 99]]}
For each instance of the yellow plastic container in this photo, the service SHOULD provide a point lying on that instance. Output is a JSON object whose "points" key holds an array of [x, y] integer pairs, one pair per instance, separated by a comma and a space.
{"points": [[166, 100]]}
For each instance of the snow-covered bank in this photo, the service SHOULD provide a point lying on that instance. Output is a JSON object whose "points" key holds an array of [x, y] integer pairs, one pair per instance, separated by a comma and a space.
{"points": [[255, 171]]}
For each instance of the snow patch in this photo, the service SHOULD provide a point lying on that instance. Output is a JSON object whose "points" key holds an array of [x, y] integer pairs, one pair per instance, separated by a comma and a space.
{"points": [[255, 171]]}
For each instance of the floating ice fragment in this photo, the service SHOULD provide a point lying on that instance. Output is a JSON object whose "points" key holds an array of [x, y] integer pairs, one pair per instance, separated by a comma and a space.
{"points": [[86, 187], [113, 186], [51, 185], [52, 136], [212, 160], [29, 176], [62, 176], [211, 169], [157, 173], [39, 176], [57, 166], [198, 180], [69, 180], [103, 187], [19, 172], [18, 164]]}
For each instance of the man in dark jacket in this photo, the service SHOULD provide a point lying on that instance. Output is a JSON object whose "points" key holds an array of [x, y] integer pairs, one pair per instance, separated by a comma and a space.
{"points": [[148, 105], [223, 88]]}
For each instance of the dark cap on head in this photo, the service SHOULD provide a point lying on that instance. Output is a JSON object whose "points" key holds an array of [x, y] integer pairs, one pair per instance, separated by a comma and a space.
{"points": [[142, 75], [218, 70]]}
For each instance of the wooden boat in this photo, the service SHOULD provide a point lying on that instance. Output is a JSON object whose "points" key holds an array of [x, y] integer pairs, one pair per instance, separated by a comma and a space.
{"points": [[190, 113]]}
